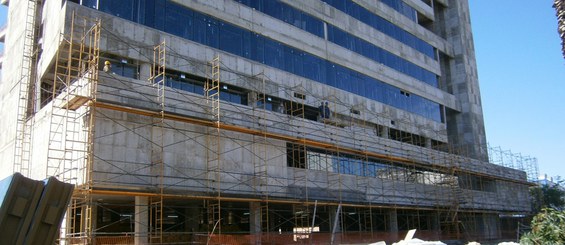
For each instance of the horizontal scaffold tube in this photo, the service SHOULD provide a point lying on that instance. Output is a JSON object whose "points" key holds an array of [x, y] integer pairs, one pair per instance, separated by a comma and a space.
{"points": [[307, 142]]}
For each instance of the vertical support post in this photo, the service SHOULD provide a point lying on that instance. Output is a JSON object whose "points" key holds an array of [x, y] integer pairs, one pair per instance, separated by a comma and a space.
{"points": [[313, 221], [255, 221], [335, 223], [141, 219], [393, 221], [158, 80], [213, 146]]}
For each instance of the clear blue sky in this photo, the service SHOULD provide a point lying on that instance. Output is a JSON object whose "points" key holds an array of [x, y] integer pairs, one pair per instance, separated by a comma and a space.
{"points": [[522, 78]]}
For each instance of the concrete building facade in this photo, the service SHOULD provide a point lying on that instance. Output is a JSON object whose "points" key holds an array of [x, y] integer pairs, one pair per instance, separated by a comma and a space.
{"points": [[239, 122]]}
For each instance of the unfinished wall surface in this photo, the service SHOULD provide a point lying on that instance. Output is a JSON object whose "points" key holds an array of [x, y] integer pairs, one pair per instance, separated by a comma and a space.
{"points": [[10, 84], [125, 141], [465, 127]]}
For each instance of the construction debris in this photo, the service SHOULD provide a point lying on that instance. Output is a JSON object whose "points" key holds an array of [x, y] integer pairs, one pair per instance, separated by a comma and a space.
{"points": [[410, 240], [416, 241]]}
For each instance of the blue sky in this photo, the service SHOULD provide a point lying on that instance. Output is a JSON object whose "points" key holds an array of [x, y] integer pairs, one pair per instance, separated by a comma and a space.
{"points": [[522, 78]]}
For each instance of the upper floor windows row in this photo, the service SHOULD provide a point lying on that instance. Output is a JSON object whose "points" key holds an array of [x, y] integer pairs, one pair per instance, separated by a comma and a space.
{"points": [[402, 8], [306, 22], [288, 14], [380, 55], [356, 11], [184, 22], [300, 156]]}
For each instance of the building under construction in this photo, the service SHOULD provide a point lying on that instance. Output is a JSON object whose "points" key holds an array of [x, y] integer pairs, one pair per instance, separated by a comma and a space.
{"points": [[256, 122]]}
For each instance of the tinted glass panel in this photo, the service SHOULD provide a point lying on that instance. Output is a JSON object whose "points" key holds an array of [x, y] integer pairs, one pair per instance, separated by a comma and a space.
{"points": [[206, 30], [123, 8]]}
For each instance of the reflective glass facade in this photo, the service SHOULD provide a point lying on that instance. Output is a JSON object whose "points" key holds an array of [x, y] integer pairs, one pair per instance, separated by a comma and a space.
{"points": [[315, 26], [179, 20], [402, 8], [383, 25]]}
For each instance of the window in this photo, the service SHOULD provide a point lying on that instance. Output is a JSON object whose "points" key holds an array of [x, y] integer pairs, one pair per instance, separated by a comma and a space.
{"points": [[295, 155], [353, 111], [204, 29], [231, 39], [126, 70], [274, 54], [381, 24], [88, 3], [299, 95], [119, 66], [271, 104], [478, 183], [123, 8], [233, 95], [177, 21]]}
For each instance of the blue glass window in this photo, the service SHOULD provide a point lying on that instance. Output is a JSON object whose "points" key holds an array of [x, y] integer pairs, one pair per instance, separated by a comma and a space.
{"points": [[231, 39], [274, 54], [125, 70], [402, 8], [308, 23], [123, 8], [177, 21], [89, 3], [381, 24], [206, 30]]}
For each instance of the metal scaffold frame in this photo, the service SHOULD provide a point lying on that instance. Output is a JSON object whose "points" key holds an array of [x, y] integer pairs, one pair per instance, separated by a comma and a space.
{"points": [[260, 157], [158, 80], [25, 105], [213, 148], [71, 137], [351, 132]]}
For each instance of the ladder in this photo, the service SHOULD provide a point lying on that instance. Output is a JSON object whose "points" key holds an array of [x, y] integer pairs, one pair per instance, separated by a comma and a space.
{"points": [[158, 80], [26, 83]]}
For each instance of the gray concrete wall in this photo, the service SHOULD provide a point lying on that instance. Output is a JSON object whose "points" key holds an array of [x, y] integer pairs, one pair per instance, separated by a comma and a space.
{"points": [[466, 128], [9, 86], [124, 143], [11, 78]]}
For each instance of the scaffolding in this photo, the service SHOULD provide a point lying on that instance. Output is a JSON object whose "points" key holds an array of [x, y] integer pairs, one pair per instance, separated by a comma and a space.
{"points": [[213, 148], [71, 121], [509, 159], [158, 80], [260, 159], [22, 145], [353, 177]]}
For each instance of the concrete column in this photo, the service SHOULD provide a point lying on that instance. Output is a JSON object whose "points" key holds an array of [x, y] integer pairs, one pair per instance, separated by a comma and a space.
{"points": [[255, 221], [434, 219], [393, 221], [191, 218], [255, 218], [93, 217], [252, 98], [144, 71], [491, 229], [141, 220], [332, 213], [383, 131]]}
